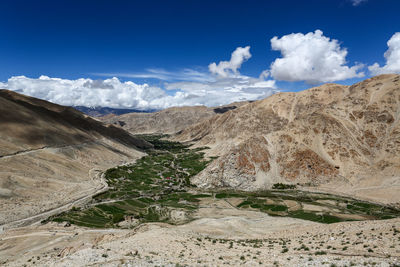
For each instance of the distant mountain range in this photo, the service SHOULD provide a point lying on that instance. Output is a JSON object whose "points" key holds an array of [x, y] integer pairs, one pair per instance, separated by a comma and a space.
{"points": [[103, 111], [167, 121]]}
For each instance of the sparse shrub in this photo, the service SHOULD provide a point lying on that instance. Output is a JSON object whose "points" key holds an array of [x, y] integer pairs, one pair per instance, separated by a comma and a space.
{"points": [[75, 208]]}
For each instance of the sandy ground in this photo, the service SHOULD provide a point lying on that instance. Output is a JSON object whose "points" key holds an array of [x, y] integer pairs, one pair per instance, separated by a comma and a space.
{"points": [[221, 236]]}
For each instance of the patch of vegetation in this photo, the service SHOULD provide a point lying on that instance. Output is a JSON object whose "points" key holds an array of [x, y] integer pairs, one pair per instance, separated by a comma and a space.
{"points": [[148, 190], [278, 205]]}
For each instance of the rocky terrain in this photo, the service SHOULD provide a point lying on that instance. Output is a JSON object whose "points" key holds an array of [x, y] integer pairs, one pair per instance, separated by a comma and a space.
{"points": [[223, 236], [51, 155], [167, 121], [341, 139]]}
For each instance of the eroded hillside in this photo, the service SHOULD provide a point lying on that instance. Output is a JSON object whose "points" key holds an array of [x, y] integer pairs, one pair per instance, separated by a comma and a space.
{"points": [[51, 155], [345, 139]]}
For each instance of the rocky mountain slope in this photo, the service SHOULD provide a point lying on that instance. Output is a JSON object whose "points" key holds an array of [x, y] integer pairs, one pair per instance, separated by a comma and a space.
{"points": [[167, 121], [50, 154], [344, 139]]}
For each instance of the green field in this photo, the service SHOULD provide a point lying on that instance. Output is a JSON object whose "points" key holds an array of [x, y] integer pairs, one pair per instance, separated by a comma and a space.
{"points": [[147, 190]]}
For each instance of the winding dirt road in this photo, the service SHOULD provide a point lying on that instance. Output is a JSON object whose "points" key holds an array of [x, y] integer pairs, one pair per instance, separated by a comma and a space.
{"points": [[86, 196], [36, 219], [28, 151]]}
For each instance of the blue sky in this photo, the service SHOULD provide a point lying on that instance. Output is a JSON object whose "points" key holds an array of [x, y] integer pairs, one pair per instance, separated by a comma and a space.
{"points": [[169, 44]]}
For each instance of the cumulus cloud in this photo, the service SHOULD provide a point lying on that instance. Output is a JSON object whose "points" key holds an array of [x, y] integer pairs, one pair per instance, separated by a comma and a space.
{"points": [[225, 90], [392, 56], [227, 68], [187, 87], [311, 57], [223, 84], [87, 92], [116, 94]]}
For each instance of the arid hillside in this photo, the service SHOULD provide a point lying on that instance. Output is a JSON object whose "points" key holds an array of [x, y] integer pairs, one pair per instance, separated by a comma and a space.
{"points": [[51, 155], [344, 139], [167, 121]]}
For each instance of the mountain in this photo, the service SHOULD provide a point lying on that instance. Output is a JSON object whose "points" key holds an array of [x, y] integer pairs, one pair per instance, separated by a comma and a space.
{"points": [[103, 111], [341, 139], [167, 121], [50, 154]]}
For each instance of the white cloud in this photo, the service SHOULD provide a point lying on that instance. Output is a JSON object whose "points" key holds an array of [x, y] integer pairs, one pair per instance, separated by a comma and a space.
{"points": [[87, 92], [186, 87], [392, 56], [311, 57], [357, 2], [227, 68], [116, 94], [225, 90]]}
